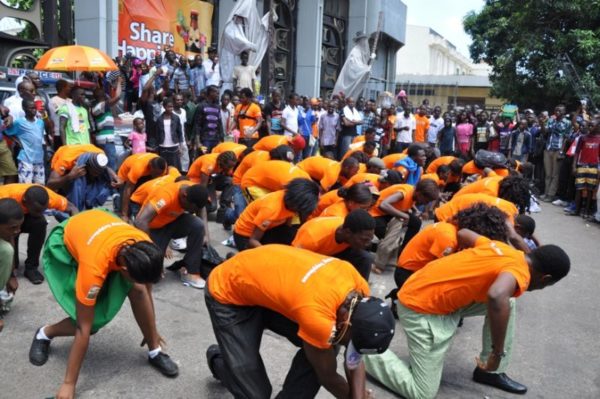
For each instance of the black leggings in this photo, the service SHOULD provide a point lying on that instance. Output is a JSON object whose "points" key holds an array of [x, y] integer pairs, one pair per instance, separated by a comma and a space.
{"points": [[283, 234]]}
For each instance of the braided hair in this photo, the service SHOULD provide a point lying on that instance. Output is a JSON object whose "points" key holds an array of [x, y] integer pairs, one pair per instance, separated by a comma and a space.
{"points": [[144, 261]]}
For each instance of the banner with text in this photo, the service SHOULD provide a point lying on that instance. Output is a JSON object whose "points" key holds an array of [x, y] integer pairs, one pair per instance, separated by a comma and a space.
{"points": [[147, 26]]}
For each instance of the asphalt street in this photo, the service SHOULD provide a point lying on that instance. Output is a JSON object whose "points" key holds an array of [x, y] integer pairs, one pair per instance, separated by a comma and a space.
{"points": [[556, 349]]}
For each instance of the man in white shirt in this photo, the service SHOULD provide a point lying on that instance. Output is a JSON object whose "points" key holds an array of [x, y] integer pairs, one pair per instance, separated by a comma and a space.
{"points": [[25, 89], [436, 123], [405, 129], [212, 72], [289, 116], [350, 120], [243, 75]]}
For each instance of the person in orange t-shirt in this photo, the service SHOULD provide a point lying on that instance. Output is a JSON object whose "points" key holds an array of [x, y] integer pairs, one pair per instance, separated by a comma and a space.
{"points": [[317, 302], [268, 219], [270, 142], [247, 117], [93, 261], [35, 199], [269, 176], [514, 189], [421, 125], [455, 164], [338, 174], [483, 280], [394, 211], [450, 209], [357, 196], [170, 212], [470, 168], [316, 166], [346, 238], [391, 159], [135, 170], [142, 192], [237, 149]]}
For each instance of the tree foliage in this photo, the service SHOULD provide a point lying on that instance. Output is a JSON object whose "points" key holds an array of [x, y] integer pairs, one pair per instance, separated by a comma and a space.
{"points": [[524, 41]]}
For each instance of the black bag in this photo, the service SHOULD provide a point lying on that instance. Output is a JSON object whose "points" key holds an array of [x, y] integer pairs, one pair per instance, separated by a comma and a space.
{"points": [[489, 159], [210, 260]]}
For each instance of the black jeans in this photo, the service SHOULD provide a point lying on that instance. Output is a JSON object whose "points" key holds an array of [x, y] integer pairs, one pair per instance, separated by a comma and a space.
{"points": [[566, 180], [171, 155], [224, 184], [239, 366], [186, 225], [36, 228], [283, 234], [401, 275], [359, 258]]}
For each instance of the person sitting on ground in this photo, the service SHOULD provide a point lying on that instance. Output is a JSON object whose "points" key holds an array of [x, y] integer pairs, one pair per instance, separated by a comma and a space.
{"points": [[481, 280], [317, 302], [339, 174], [525, 227], [395, 210], [11, 219], [346, 238], [268, 219], [135, 170], [35, 199], [93, 261], [170, 212], [81, 173]]}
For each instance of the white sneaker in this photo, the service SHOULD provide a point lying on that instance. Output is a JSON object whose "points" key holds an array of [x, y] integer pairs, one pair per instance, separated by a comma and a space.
{"points": [[560, 202], [188, 282], [179, 244]]}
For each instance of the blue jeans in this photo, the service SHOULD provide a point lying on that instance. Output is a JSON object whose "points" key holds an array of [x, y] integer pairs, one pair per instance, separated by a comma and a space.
{"points": [[111, 153], [308, 149], [239, 204]]}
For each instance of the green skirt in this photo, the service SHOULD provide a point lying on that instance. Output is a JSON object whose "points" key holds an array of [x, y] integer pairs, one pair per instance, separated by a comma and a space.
{"points": [[61, 272]]}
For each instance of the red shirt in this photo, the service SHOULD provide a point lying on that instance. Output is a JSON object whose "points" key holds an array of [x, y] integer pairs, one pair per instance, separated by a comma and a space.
{"points": [[589, 150]]}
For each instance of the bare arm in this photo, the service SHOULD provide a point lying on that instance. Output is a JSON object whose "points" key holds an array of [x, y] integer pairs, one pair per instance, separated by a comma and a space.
{"points": [[62, 129], [387, 206], [254, 240], [125, 200], [115, 99], [515, 239], [72, 209], [466, 238], [324, 364], [144, 218], [56, 181]]}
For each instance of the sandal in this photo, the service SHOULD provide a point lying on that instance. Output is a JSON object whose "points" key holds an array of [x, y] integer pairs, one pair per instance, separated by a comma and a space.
{"points": [[376, 270]]}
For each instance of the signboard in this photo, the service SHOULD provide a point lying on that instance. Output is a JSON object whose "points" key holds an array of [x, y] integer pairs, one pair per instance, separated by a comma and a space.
{"points": [[147, 26]]}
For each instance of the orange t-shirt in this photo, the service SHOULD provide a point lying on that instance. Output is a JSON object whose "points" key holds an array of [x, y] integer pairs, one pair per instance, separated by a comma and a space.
{"points": [[205, 164], [487, 185], [65, 157], [359, 139], [436, 163], [434, 177], [250, 160], [165, 201], [363, 177], [326, 200], [135, 166], [471, 169], [252, 113], [94, 238], [270, 142], [403, 205], [17, 190], [390, 160], [332, 176], [318, 235], [272, 175], [458, 280], [433, 242], [144, 190], [338, 209], [303, 286], [236, 148], [264, 213], [421, 127], [316, 166], [450, 209]]}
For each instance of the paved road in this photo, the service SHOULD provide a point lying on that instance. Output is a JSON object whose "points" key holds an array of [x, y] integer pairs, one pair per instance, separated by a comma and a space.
{"points": [[557, 350]]}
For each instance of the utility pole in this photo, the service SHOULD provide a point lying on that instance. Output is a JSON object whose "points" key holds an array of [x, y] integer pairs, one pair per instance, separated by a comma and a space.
{"points": [[271, 46]]}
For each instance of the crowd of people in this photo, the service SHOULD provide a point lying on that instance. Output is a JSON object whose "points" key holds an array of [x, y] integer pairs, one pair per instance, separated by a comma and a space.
{"points": [[317, 194]]}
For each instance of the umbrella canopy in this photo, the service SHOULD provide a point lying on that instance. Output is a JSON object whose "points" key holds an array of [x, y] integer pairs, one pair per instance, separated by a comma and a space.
{"points": [[75, 58]]}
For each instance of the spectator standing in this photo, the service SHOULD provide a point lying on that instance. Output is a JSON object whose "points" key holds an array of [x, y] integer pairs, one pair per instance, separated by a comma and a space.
{"points": [[197, 77], [349, 122], [137, 138], [63, 92], [273, 113], [244, 74], [446, 137], [557, 129], [74, 119], [248, 117], [421, 125], [405, 130], [436, 123], [226, 115], [370, 115], [482, 133], [105, 122], [586, 171], [306, 119], [520, 142], [328, 129], [211, 66], [207, 124], [169, 133], [290, 115], [464, 134]]}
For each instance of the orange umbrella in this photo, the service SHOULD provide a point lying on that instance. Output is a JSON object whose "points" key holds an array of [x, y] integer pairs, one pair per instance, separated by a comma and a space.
{"points": [[75, 58]]}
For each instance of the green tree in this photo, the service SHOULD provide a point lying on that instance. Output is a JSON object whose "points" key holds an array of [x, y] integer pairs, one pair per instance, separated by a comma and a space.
{"points": [[525, 41], [20, 4]]}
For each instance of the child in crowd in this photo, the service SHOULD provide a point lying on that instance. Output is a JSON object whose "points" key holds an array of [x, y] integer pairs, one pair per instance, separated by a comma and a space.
{"points": [[28, 131], [525, 227], [587, 159], [137, 138]]}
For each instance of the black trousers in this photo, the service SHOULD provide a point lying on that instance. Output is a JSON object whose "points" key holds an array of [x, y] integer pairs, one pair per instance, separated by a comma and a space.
{"points": [[566, 180], [401, 275], [221, 183], [186, 225], [171, 155], [36, 228], [359, 258], [240, 368], [283, 234]]}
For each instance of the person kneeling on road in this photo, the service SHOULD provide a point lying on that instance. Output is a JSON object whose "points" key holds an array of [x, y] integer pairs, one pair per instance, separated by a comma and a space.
{"points": [[93, 261], [315, 301]]}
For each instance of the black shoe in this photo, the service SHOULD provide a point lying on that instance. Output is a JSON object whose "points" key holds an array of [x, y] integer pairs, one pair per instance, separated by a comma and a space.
{"points": [[175, 266], [40, 348], [212, 353], [221, 214], [500, 381], [34, 276], [163, 363]]}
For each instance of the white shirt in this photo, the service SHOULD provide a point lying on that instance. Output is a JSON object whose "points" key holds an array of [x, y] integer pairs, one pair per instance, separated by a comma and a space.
{"points": [[56, 102], [182, 114], [405, 136], [244, 76], [352, 114], [168, 141], [435, 125], [213, 77], [14, 105], [291, 119]]}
